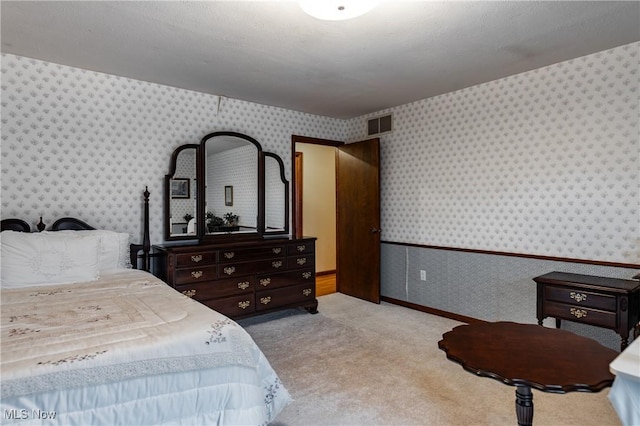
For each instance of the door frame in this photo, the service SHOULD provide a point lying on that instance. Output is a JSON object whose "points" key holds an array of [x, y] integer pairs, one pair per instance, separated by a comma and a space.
{"points": [[303, 139]]}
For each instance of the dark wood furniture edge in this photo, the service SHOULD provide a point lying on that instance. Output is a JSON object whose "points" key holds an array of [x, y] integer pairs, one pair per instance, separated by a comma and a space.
{"points": [[588, 281], [545, 388], [523, 255], [433, 311], [311, 307]]}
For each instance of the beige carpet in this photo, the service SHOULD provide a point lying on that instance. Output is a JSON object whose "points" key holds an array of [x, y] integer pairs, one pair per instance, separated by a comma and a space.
{"points": [[358, 363]]}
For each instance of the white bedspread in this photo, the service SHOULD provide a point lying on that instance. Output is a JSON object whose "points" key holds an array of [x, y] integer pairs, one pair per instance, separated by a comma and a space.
{"points": [[128, 349]]}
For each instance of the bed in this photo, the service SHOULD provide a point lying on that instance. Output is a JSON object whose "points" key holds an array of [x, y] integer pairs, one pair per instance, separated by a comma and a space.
{"points": [[87, 344]]}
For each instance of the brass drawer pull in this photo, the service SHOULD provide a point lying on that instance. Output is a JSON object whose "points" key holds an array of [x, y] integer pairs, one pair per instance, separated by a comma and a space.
{"points": [[301, 248], [265, 300], [306, 291], [197, 274], [578, 297], [276, 264], [189, 293], [578, 313], [244, 305], [229, 270], [276, 250], [265, 281], [301, 261], [196, 258], [306, 275], [243, 285], [229, 255]]}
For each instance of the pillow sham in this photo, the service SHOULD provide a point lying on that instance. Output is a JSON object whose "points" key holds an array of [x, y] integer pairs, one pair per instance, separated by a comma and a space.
{"points": [[114, 246], [36, 259]]}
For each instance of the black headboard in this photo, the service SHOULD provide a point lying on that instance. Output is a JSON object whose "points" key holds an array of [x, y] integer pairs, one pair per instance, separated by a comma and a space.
{"points": [[15, 225], [71, 223]]}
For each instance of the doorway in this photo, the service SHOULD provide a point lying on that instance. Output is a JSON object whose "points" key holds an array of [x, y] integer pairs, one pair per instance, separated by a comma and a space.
{"points": [[314, 204], [355, 192]]}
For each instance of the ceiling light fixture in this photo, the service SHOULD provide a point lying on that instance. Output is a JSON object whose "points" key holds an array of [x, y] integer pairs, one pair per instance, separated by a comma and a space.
{"points": [[337, 10]]}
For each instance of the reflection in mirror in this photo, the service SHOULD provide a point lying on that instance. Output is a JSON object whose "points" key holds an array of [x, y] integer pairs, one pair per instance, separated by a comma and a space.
{"points": [[231, 161], [182, 194], [276, 195]]}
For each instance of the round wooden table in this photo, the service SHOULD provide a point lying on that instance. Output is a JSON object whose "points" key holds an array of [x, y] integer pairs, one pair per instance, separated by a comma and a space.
{"points": [[529, 355]]}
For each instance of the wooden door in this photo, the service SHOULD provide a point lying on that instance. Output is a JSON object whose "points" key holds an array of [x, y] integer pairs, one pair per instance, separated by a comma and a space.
{"points": [[358, 219]]}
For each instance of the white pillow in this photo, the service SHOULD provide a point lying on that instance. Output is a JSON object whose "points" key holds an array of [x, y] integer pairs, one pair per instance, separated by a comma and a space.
{"points": [[35, 259], [114, 246]]}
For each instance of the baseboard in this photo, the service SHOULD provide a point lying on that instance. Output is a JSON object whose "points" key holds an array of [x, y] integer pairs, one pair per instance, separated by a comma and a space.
{"points": [[319, 274], [433, 311]]}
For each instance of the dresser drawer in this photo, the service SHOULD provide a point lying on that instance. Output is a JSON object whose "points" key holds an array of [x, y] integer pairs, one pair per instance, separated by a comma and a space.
{"points": [[301, 248], [195, 259], [269, 299], [234, 255], [294, 262], [581, 298], [236, 306], [255, 267], [581, 314], [283, 279], [221, 288], [195, 274]]}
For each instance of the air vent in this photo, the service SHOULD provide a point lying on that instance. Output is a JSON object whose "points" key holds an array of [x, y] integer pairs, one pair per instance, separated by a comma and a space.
{"points": [[379, 125]]}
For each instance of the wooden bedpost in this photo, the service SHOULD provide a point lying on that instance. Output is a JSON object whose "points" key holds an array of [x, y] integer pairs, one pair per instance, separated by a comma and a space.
{"points": [[146, 241]]}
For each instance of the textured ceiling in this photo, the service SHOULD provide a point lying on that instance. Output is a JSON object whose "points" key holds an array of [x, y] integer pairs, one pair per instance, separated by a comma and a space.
{"points": [[273, 53]]}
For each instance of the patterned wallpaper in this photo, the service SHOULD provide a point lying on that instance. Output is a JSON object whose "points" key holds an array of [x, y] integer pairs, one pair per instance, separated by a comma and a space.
{"points": [[545, 162], [85, 144]]}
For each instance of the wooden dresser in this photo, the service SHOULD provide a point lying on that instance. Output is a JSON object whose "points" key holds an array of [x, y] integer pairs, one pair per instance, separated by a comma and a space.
{"points": [[603, 302], [243, 278]]}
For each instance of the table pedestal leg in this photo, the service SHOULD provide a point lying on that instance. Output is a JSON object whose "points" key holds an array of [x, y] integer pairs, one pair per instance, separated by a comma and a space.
{"points": [[524, 405]]}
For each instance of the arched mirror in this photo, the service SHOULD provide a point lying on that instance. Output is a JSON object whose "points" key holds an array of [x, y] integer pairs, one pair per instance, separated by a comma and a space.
{"points": [[181, 201], [276, 196], [232, 172], [225, 187]]}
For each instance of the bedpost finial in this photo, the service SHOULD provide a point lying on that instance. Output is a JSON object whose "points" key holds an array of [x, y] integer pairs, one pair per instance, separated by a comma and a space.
{"points": [[41, 225], [146, 193]]}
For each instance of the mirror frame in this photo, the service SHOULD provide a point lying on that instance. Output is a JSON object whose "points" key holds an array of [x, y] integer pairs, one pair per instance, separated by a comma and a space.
{"points": [[286, 193], [173, 165], [201, 177], [201, 155]]}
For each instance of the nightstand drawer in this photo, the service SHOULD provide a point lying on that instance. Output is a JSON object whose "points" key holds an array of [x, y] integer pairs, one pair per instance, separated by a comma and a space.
{"points": [[233, 306], [582, 298], [220, 288], [197, 274], [195, 259], [581, 314], [284, 296]]}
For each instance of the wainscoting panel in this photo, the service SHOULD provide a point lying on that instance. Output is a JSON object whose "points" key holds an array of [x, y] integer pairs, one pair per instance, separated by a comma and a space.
{"points": [[485, 286]]}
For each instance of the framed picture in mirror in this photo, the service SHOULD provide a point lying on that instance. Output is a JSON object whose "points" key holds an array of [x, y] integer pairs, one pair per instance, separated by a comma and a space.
{"points": [[180, 188], [228, 195]]}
